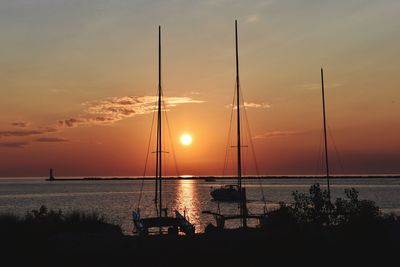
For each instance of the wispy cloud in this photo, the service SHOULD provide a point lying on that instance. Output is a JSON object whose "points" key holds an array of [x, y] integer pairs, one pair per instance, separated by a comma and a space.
{"points": [[72, 122], [21, 124], [256, 105], [277, 133], [51, 139], [100, 112], [13, 144], [252, 19], [252, 105], [113, 109], [317, 86], [55, 91], [21, 133]]}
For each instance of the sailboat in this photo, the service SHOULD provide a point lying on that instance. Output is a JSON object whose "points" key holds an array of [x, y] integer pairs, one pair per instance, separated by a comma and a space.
{"points": [[235, 192], [162, 220]]}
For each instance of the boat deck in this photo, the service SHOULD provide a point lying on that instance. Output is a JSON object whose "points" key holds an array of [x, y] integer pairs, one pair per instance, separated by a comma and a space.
{"points": [[179, 222]]}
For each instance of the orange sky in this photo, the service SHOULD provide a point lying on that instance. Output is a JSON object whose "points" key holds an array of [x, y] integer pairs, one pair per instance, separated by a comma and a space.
{"points": [[77, 81]]}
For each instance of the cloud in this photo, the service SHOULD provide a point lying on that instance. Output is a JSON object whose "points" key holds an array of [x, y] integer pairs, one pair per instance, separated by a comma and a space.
{"points": [[51, 139], [317, 86], [277, 133], [82, 121], [14, 144], [26, 132], [256, 105], [174, 101], [252, 105], [21, 124], [113, 109], [100, 112], [55, 91], [71, 122], [252, 19]]}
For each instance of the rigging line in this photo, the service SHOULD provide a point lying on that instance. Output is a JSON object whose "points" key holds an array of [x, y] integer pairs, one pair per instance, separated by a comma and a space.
{"points": [[336, 150], [318, 165], [322, 163], [245, 161], [165, 149], [227, 149], [254, 156], [165, 167], [231, 125], [172, 146], [241, 105], [248, 132], [147, 156]]}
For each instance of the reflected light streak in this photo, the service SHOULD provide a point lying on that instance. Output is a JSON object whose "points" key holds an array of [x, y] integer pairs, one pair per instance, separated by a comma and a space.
{"points": [[186, 201]]}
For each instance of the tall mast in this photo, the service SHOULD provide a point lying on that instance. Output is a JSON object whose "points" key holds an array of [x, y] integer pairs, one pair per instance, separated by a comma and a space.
{"points": [[159, 133], [326, 143], [239, 154]]}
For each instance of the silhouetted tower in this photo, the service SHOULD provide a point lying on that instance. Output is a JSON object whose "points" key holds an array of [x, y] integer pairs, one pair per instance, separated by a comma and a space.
{"points": [[51, 177]]}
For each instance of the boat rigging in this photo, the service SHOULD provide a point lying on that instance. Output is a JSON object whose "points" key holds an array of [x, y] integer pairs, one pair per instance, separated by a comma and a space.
{"points": [[162, 220], [236, 192]]}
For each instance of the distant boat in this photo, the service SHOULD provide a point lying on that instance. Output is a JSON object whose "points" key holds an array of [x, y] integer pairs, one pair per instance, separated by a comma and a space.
{"points": [[209, 179], [162, 220]]}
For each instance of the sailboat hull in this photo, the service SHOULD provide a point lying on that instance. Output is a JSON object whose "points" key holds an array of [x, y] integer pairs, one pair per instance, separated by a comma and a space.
{"points": [[179, 223], [227, 193]]}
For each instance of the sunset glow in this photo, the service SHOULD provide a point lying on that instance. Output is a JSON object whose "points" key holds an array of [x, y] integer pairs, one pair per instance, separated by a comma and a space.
{"points": [[79, 82]]}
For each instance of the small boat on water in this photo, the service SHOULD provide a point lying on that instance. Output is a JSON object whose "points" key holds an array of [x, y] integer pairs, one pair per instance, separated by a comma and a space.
{"points": [[209, 179], [226, 193]]}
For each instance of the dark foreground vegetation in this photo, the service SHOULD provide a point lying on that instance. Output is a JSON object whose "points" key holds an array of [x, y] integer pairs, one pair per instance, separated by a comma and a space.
{"points": [[313, 230]]}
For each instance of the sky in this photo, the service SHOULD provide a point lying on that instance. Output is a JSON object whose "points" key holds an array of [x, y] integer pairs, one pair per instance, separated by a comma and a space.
{"points": [[79, 79]]}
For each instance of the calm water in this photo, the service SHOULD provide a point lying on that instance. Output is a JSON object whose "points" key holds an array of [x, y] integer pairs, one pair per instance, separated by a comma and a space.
{"points": [[116, 199]]}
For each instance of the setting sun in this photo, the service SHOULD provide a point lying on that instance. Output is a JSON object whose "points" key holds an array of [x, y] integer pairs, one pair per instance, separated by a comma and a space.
{"points": [[186, 139]]}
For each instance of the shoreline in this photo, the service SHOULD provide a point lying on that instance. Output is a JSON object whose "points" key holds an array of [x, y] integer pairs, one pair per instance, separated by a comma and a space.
{"points": [[215, 178]]}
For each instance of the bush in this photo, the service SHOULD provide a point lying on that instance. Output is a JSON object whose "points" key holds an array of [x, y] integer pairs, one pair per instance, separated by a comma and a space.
{"points": [[316, 208], [354, 211]]}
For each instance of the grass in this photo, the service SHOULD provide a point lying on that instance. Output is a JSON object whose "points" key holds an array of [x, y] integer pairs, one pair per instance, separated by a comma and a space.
{"points": [[44, 223]]}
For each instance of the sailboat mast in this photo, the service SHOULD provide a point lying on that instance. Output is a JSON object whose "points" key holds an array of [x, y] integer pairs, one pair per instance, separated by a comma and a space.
{"points": [[159, 132], [239, 147], [325, 139], [239, 163]]}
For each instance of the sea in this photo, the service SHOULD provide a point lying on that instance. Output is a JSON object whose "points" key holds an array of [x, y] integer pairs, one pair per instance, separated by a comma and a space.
{"points": [[116, 199]]}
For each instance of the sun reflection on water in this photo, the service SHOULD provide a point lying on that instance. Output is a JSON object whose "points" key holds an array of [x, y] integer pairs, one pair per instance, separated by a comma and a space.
{"points": [[186, 201]]}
